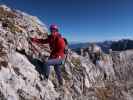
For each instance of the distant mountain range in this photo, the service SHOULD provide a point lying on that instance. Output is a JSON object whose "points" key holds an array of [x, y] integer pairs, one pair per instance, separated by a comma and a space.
{"points": [[119, 45]]}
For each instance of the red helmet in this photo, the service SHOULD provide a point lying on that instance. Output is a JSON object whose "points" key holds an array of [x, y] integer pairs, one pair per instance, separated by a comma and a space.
{"points": [[54, 27]]}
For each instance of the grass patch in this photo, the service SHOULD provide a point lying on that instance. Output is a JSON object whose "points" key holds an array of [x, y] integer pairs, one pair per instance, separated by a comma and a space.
{"points": [[77, 63], [104, 93]]}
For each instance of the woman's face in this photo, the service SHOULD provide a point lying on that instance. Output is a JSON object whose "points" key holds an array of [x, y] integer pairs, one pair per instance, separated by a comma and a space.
{"points": [[54, 33]]}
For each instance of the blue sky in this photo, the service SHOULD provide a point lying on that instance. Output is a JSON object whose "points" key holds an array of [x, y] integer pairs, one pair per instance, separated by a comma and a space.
{"points": [[83, 20]]}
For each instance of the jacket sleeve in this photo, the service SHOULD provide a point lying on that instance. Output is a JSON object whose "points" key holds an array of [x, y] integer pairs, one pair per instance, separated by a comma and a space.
{"points": [[40, 41]]}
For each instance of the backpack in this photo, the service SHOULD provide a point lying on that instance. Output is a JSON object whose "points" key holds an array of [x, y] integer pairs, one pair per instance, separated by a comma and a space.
{"points": [[66, 46]]}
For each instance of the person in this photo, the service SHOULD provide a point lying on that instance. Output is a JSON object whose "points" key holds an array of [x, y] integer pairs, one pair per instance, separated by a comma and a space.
{"points": [[57, 46]]}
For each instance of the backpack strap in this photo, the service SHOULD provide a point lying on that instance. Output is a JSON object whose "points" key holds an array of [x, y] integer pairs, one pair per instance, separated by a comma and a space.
{"points": [[66, 42]]}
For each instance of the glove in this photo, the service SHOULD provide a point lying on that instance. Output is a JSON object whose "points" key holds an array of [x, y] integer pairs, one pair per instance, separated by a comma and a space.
{"points": [[32, 39]]}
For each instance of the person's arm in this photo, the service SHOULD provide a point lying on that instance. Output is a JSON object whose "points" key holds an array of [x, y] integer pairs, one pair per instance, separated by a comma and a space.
{"points": [[39, 41]]}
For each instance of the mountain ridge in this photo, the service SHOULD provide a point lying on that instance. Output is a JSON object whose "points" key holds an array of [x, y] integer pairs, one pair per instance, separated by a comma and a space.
{"points": [[21, 76]]}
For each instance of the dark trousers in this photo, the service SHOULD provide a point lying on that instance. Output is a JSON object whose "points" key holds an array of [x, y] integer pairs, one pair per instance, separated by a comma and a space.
{"points": [[57, 67]]}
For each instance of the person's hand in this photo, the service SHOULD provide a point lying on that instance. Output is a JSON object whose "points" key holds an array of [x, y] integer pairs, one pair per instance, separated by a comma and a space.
{"points": [[32, 39], [59, 57], [29, 38]]}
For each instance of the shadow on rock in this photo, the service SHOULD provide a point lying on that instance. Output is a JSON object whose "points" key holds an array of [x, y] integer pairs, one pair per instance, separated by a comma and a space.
{"points": [[39, 65]]}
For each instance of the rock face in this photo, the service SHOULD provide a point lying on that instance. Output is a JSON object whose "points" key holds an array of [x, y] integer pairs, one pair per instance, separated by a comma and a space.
{"points": [[19, 79], [109, 79]]}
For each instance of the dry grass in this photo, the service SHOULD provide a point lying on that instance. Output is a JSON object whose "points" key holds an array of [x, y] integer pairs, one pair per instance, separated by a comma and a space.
{"points": [[76, 62], [13, 28], [64, 73], [5, 14], [104, 93]]}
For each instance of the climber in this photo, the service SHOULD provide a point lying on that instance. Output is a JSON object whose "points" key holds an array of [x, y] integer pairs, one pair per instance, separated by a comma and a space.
{"points": [[95, 53], [57, 46]]}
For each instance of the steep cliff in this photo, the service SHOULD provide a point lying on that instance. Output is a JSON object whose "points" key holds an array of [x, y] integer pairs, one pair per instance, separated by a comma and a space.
{"points": [[20, 76]]}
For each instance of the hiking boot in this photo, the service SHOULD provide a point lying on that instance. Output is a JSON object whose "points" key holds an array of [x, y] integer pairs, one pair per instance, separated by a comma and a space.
{"points": [[61, 82], [41, 77]]}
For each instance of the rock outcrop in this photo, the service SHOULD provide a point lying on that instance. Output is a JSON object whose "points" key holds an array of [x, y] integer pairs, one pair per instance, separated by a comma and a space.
{"points": [[20, 78]]}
